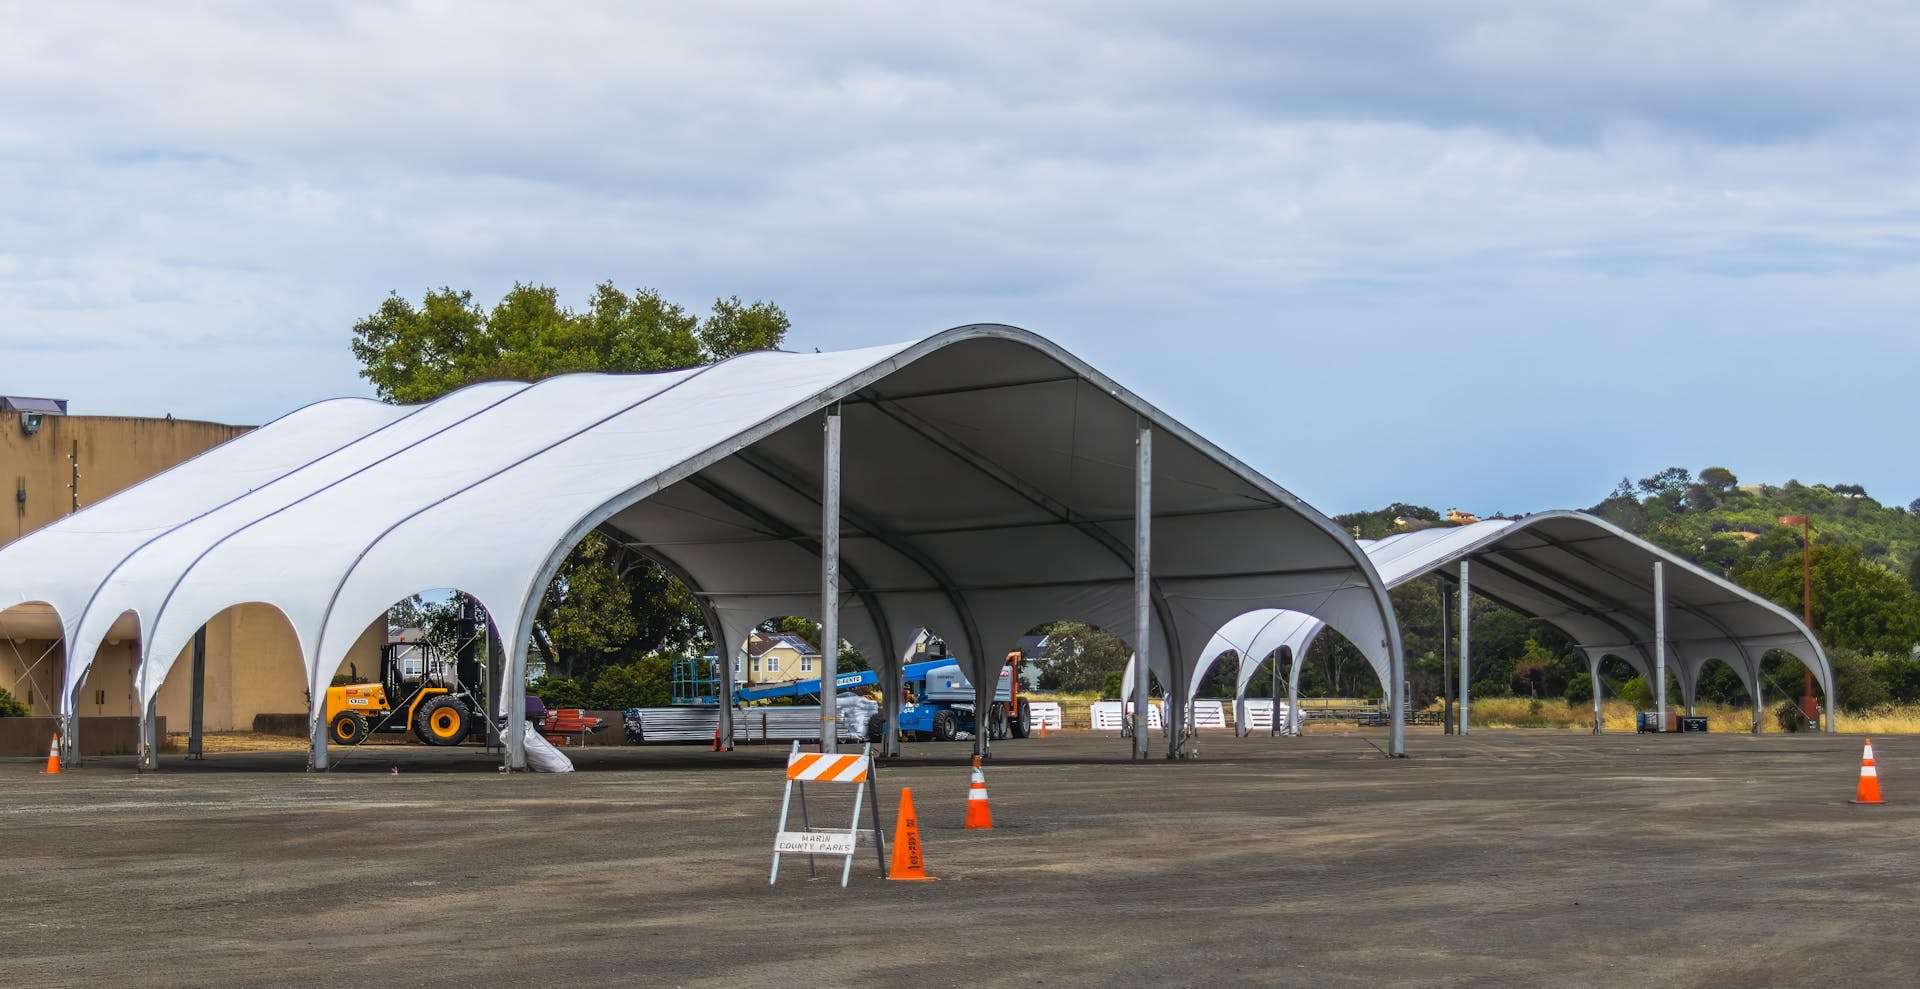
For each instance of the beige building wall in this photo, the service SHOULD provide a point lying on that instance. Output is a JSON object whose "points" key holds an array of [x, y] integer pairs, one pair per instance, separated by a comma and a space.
{"points": [[253, 660]]}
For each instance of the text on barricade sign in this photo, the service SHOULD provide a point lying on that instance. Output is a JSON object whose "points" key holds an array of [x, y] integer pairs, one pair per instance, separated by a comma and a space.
{"points": [[814, 843]]}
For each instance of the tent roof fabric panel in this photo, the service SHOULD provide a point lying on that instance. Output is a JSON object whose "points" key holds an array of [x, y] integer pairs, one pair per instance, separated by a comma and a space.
{"points": [[65, 562], [989, 483]]}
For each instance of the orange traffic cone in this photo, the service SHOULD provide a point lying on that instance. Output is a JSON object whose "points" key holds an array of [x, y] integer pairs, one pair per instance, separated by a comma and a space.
{"points": [[907, 863], [53, 756], [1043, 727], [716, 739], [1869, 791], [979, 814]]}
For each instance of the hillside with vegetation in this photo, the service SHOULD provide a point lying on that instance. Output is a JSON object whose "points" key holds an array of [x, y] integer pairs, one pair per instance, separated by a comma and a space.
{"points": [[1866, 592]]}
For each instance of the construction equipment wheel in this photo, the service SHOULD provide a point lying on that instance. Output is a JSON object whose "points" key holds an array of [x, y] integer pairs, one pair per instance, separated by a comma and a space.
{"points": [[877, 728], [997, 721], [946, 727], [441, 721], [347, 728], [1022, 724]]}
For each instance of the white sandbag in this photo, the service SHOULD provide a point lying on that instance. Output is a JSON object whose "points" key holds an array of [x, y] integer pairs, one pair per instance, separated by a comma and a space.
{"points": [[542, 757]]}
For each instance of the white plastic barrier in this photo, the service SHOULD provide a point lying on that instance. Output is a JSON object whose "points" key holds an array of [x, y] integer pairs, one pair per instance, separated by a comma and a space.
{"points": [[1260, 713], [1106, 715], [1209, 714], [1046, 713]]}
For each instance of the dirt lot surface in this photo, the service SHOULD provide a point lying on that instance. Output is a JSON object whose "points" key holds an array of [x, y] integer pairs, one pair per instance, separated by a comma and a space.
{"points": [[1510, 858]]}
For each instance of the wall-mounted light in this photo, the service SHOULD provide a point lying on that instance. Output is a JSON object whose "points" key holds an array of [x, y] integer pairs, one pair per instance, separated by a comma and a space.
{"points": [[29, 422]]}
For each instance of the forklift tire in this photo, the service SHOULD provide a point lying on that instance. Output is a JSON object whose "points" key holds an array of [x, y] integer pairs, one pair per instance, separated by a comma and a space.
{"points": [[997, 721], [945, 726], [1023, 722], [877, 728], [441, 721], [348, 728]]}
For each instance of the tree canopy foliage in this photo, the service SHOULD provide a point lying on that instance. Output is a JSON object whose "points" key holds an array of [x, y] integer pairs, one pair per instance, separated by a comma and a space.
{"points": [[608, 606], [419, 352]]}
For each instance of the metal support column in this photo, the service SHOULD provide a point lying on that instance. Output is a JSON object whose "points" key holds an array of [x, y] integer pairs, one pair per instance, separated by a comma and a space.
{"points": [[150, 735], [514, 700], [1273, 691], [892, 686], [723, 660], [196, 713], [1759, 704], [1446, 664], [830, 584], [1660, 643], [1466, 629], [1593, 671], [316, 730], [1142, 582], [1293, 693]]}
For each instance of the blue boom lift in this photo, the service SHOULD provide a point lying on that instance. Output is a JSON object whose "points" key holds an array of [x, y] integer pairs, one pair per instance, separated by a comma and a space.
{"points": [[938, 702]]}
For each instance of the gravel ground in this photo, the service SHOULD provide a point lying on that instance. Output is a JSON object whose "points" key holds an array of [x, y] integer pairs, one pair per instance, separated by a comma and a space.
{"points": [[1509, 858]]}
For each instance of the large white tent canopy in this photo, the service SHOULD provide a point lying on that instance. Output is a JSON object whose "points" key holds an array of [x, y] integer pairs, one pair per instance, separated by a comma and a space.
{"points": [[1591, 579], [987, 482]]}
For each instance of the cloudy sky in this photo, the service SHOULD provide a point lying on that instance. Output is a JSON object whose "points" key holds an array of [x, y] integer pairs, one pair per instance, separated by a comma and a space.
{"points": [[1492, 255]]}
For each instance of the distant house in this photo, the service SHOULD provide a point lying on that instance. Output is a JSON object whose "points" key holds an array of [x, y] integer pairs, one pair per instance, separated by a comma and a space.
{"points": [[779, 657]]}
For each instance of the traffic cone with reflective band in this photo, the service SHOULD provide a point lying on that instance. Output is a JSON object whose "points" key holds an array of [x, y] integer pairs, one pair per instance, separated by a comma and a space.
{"points": [[979, 814], [907, 863], [1869, 791], [53, 756]]}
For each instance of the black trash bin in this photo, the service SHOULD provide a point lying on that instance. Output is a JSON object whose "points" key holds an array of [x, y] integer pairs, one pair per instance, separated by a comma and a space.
{"points": [[1689, 722]]}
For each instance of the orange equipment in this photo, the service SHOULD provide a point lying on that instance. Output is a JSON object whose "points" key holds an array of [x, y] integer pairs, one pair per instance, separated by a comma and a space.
{"points": [[53, 756]]}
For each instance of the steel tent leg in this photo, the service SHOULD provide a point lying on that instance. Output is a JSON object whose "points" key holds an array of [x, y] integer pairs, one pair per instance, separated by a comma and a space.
{"points": [[197, 713], [149, 735], [1466, 628], [1660, 643], [1293, 695], [1142, 582], [1593, 670], [723, 672], [830, 583]]}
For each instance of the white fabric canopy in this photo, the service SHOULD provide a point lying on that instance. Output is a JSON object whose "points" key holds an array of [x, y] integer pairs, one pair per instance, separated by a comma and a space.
{"points": [[988, 487], [1578, 572]]}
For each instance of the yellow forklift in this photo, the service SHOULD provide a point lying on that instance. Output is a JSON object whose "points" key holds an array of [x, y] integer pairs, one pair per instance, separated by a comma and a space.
{"points": [[420, 690]]}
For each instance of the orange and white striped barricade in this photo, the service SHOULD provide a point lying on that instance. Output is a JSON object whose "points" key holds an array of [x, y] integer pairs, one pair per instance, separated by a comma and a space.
{"points": [[820, 767]]}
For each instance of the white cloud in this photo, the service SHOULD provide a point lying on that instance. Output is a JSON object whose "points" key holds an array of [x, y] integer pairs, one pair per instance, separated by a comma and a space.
{"points": [[1601, 233]]}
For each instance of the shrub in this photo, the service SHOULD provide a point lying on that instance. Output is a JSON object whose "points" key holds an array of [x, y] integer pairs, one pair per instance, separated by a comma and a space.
{"points": [[10, 706], [647, 682], [1637, 693], [1787, 715], [1580, 689], [558, 692]]}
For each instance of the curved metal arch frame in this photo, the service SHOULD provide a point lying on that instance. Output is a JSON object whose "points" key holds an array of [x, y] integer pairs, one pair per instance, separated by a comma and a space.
{"points": [[849, 387]]}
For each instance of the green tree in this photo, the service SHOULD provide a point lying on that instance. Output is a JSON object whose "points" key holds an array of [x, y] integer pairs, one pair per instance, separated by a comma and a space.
{"points": [[1856, 605], [608, 604], [587, 612], [10, 706], [1082, 657]]}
